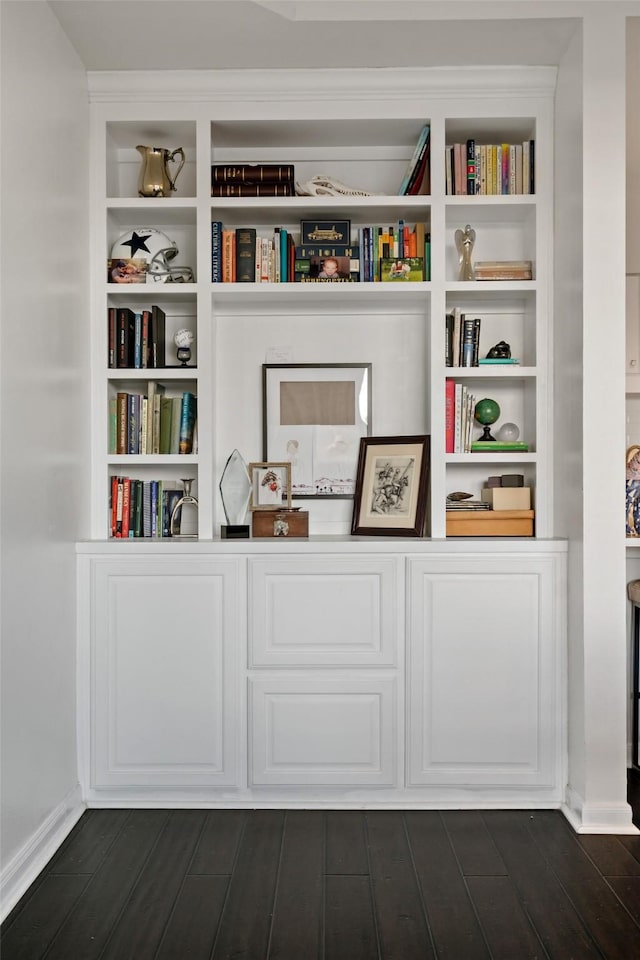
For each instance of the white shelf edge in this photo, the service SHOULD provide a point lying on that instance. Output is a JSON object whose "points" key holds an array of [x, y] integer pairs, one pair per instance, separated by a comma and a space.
{"points": [[152, 459], [490, 372], [153, 373], [506, 457]]}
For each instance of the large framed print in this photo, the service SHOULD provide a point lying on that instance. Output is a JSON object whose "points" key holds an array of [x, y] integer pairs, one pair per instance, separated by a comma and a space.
{"points": [[314, 417], [391, 488]]}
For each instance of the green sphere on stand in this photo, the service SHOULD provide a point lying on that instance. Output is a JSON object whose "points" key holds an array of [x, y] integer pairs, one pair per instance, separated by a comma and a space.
{"points": [[486, 412]]}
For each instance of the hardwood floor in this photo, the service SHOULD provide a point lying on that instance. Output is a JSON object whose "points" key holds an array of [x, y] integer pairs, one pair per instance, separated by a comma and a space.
{"points": [[338, 885]]}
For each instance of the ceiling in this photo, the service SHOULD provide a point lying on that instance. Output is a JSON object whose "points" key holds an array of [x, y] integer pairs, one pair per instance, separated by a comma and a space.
{"points": [[239, 34]]}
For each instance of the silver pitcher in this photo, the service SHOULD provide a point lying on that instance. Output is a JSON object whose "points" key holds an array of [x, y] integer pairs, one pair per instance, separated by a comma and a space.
{"points": [[155, 180]]}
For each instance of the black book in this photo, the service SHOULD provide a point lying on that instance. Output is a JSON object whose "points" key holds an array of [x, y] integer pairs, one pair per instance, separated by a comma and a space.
{"points": [[157, 338], [245, 255], [252, 173], [476, 340], [126, 334], [448, 341]]}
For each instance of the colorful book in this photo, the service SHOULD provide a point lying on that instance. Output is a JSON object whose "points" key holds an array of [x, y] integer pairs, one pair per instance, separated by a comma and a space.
{"points": [[449, 415], [417, 155], [245, 254], [187, 422]]}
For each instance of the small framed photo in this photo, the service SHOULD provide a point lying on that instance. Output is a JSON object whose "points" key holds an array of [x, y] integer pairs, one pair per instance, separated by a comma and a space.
{"points": [[405, 268], [334, 233], [127, 271], [270, 486], [391, 486]]}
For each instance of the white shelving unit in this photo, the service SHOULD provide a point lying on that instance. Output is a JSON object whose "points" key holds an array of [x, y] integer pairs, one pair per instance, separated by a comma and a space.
{"points": [[364, 138]]}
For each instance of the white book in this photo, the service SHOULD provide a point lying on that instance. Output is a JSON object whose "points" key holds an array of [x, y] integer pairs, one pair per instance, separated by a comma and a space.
{"points": [[457, 439]]}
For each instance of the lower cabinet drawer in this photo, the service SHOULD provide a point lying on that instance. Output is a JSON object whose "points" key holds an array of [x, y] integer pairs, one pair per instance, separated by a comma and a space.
{"points": [[329, 731]]}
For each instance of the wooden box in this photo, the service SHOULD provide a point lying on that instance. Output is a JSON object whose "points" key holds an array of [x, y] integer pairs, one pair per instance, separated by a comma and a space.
{"points": [[490, 523], [280, 523]]}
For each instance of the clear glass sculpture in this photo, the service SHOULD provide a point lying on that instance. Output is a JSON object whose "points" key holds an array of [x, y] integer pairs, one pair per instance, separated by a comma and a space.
{"points": [[235, 491]]}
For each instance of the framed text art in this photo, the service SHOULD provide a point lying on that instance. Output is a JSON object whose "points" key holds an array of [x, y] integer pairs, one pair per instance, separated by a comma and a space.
{"points": [[391, 487], [314, 417]]}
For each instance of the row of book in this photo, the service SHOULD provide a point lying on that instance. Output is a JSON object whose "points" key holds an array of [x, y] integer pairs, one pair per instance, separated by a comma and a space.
{"points": [[458, 417], [417, 176], [242, 256], [136, 339], [462, 339], [252, 180], [152, 422], [490, 169], [142, 508]]}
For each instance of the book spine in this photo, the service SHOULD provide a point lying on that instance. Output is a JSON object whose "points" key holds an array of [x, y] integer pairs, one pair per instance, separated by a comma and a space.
{"points": [[252, 190], [121, 415], [245, 238], [111, 328], [476, 340], [158, 337], [187, 421], [423, 138], [137, 342], [457, 418], [449, 415], [228, 245], [216, 251], [471, 166], [261, 173], [466, 359], [126, 506], [119, 502], [146, 325], [532, 166], [448, 340], [113, 505], [126, 337]]}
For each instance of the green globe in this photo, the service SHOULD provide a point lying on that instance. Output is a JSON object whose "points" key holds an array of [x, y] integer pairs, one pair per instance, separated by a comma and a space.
{"points": [[486, 411]]}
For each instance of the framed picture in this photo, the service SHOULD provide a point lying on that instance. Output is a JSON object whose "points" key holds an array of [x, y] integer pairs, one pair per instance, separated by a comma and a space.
{"points": [[270, 486], [314, 416], [391, 487]]}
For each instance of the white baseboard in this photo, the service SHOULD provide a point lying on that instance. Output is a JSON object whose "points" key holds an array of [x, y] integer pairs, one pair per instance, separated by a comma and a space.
{"points": [[34, 855], [597, 817]]}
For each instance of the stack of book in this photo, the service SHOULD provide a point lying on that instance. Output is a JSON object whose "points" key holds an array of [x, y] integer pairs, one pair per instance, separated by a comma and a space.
{"points": [[489, 169], [136, 339], [252, 180], [417, 177], [503, 270], [462, 339], [141, 508], [152, 423]]}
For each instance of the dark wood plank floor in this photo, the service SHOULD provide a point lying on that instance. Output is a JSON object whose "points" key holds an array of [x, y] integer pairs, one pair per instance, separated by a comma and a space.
{"points": [[337, 885]]}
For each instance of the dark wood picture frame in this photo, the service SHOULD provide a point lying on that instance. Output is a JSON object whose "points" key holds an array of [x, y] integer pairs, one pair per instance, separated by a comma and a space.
{"points": [[391, 486]]}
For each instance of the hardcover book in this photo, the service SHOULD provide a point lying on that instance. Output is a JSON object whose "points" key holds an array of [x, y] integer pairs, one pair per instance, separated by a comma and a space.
{"points": [[246, 255], [262, 173], [252, 190]]}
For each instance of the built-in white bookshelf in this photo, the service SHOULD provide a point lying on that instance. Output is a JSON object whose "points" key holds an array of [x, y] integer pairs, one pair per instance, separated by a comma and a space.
{"points": [[363, 137]]}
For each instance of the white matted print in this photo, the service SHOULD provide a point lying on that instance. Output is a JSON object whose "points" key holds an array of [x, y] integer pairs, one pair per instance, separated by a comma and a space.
{"points": [[314, 416]]}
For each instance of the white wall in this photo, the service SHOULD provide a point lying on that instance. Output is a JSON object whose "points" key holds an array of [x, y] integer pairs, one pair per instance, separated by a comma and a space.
{"points": [[597, 621], [43, 425], [568, 378]]}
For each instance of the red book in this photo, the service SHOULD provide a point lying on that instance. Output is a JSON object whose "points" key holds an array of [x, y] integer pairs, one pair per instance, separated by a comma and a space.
{"points": [[126, 505], [449, 415], [114, 506]]}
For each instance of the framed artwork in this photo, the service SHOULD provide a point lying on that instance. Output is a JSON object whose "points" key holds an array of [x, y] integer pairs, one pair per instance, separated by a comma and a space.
{"points": [[391, 487], [270, 486], [314, 417]]}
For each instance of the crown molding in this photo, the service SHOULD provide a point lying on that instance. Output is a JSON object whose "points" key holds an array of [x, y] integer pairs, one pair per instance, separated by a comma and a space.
{"points": [[386, 83]]}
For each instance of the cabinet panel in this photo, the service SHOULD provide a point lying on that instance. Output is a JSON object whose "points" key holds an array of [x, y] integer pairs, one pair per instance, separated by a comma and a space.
{"points": [[164, 672], [483, 673], [323, 731], [324, 612]]}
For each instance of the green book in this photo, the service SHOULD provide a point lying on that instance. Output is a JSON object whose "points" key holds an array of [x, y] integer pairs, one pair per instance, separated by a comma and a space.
{"points": [[497, 446]]}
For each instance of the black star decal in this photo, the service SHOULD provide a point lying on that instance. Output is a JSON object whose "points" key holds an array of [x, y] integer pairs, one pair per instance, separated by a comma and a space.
{"points": [[136, 243]]}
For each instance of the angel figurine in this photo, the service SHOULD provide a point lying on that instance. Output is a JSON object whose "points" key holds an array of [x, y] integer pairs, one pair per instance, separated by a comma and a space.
{"points": [[465, 240]]}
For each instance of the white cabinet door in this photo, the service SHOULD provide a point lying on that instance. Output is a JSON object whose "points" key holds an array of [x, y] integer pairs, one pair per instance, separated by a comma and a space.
{"points": [[484, 668], [338, 731], [164, 675], [633, 333], [324, 612]]}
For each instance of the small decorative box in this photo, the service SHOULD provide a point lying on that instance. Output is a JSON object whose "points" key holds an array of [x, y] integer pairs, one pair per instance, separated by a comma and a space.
{"points": [[280, 523]]}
